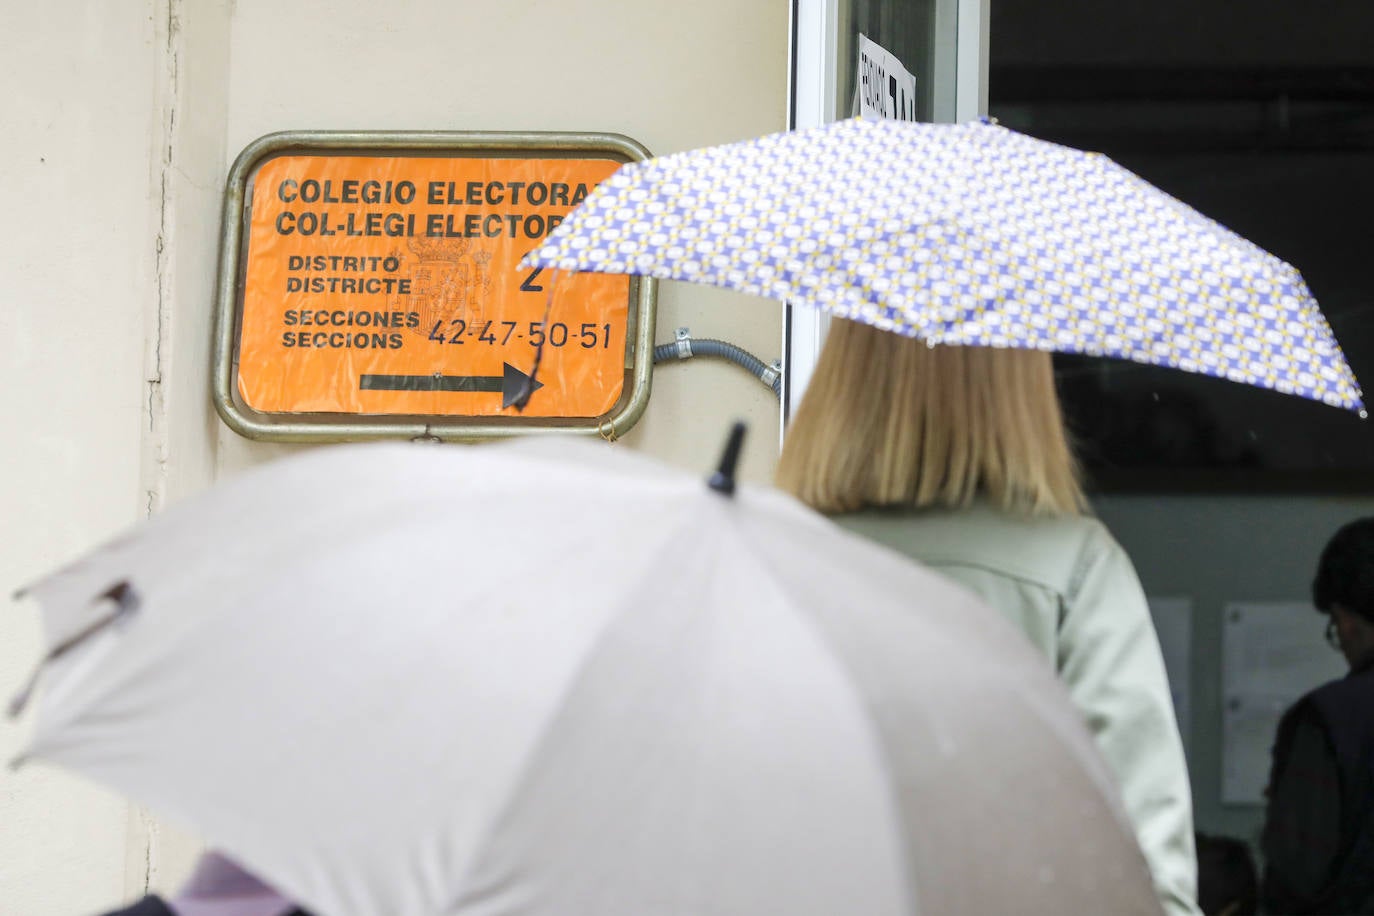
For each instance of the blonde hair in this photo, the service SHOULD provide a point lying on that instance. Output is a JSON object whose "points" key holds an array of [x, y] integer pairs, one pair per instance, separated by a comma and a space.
{"points": [[890, 421]]}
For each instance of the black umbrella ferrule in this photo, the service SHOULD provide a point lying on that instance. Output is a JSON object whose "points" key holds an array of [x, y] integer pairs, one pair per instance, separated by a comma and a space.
{"points": [[723, 480]]}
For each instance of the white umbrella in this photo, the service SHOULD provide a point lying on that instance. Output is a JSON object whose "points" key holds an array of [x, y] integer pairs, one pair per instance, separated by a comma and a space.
{"points": [[549, 677]]}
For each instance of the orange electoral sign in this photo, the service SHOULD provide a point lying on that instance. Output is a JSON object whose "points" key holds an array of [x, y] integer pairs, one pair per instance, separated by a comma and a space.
{"points": [[387, 285]]}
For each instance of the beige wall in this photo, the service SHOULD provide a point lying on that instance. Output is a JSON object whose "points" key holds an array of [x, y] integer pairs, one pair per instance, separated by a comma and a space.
{"points": [[76, 185], [122, 120], [672, 76]]}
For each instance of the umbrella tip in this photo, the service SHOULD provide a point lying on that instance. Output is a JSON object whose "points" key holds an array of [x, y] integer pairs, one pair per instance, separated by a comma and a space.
{"points": [[723, 480]]}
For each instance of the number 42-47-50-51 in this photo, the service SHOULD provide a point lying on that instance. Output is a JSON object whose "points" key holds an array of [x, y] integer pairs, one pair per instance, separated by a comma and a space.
{"points": [[588, 335]]}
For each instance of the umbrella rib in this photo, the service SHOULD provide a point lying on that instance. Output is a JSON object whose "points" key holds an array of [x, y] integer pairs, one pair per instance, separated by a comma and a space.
{"points": [[866, 715], [124, 600]]}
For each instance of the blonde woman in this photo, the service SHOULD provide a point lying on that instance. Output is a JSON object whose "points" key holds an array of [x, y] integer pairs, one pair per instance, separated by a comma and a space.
{"points": [[958, 457]]}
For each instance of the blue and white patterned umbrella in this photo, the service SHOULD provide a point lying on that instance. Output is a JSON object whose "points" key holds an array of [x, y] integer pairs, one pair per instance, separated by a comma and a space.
{"points": [[964, 234]]}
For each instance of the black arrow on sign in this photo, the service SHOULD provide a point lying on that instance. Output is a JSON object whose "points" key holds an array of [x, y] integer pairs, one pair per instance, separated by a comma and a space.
{"points": [[512, 383]]}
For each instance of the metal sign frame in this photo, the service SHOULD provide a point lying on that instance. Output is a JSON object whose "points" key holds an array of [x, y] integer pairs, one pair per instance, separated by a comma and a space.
{"points": [[332, 427]]}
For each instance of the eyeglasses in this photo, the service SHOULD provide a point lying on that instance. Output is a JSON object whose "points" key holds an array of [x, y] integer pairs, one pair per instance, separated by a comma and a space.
{"points": [[1333, 639]]}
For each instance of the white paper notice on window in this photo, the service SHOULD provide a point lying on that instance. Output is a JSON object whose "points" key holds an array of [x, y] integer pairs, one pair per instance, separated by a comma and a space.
{"points": [[885, 88], [1272, 654]]}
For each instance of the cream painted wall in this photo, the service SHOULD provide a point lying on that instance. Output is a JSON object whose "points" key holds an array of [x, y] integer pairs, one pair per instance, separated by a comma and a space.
{"points": [[77, 183], [123, 119], [672, 76]]}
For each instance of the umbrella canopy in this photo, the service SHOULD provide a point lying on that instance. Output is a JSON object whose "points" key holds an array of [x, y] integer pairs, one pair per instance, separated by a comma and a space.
{"points": [[551, 677], [964, 234]]}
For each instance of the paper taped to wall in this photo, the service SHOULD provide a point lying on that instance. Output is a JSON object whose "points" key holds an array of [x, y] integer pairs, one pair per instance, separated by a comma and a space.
{"points": [[1272, 654]]}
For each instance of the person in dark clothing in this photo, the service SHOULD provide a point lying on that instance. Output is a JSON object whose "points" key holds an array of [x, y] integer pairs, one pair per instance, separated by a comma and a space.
{"points": [[1227, 884], [1318, 839]]}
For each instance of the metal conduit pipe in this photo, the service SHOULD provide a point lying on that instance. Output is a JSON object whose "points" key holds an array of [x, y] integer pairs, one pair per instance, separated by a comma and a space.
{"points": [[685, 347]]}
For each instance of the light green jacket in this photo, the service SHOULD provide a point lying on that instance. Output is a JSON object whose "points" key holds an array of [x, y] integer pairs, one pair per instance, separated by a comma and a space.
{"points": [[1071, 588]]}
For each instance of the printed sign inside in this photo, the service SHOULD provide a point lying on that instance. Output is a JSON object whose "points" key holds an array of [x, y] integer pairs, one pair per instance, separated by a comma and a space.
{"points": [[885, 88]]}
